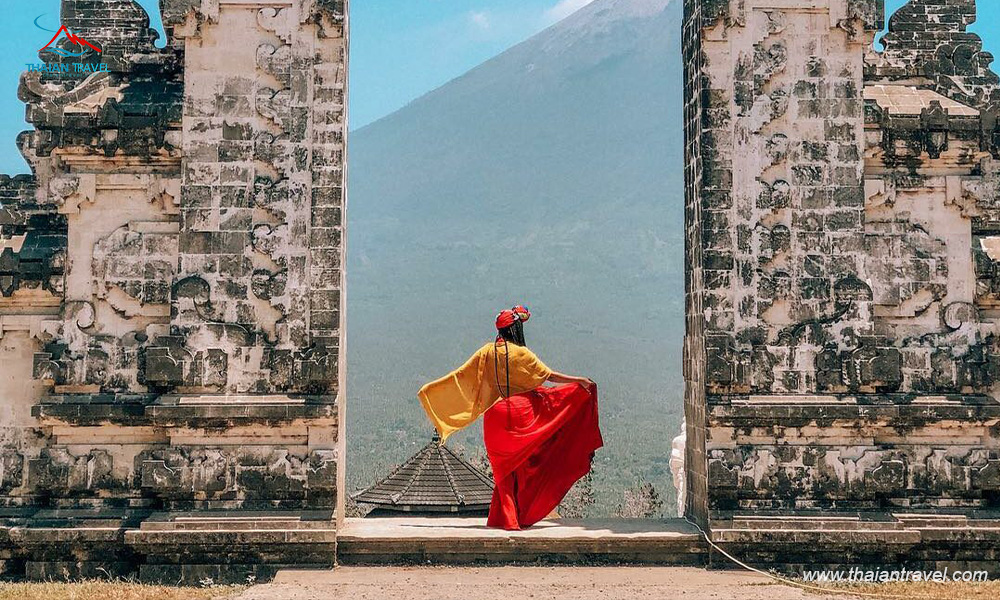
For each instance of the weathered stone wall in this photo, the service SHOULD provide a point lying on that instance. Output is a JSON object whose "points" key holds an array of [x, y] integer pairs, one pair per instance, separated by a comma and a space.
{"points": [[261, 206], [697, 122], [171, 311], [786, 175], [843, 208], [930, 40]]}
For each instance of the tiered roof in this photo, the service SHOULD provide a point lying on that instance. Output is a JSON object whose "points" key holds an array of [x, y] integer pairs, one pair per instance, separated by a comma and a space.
{"points": [[434, 480]]}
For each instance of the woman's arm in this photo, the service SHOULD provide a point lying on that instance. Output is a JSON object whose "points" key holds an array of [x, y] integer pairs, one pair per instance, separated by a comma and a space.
{"points": [[557, 377]]}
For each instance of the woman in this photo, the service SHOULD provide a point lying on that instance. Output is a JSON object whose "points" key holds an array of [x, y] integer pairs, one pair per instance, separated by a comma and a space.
{"points": [[540, 440]]}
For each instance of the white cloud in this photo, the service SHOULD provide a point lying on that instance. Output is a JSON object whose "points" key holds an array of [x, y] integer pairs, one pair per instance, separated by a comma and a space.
{"points": [[480, 20], [565, 8]]}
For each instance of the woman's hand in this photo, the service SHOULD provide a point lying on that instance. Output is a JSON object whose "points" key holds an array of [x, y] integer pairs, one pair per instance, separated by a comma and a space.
{"points": [[586, 382]]}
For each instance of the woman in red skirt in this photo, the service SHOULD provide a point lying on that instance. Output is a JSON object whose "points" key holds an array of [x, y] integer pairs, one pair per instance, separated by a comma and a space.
{"points": [[540, 440]]}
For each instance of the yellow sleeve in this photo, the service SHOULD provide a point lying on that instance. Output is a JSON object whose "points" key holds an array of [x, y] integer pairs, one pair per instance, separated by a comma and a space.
{"points": [[527, 371], [451, 402]]}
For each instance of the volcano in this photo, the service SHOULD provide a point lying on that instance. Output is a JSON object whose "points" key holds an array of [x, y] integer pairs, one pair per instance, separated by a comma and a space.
{"points": [[551, 176]]}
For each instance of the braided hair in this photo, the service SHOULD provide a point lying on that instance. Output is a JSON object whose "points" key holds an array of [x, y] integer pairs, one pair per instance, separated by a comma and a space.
{"points": [[513, 334]]}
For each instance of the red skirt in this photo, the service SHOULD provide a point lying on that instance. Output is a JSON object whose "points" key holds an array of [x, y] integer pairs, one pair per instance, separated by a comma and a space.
{"points": [[539, 444]]}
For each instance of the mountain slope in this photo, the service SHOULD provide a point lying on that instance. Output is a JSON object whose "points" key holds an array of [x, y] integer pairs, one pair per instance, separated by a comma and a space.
{"points": [[550, 175]]}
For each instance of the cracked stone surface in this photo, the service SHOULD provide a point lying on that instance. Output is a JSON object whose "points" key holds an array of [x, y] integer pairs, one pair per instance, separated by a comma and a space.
{"points": [[171, 275], [841, 206]]}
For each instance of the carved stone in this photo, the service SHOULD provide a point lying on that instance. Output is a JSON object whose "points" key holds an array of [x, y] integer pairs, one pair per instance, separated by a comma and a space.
{"points": [[843, 275], [170, 289]]}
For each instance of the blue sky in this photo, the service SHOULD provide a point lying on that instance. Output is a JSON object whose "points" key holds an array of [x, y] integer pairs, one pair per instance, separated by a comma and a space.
{"points": [[400, 49]]}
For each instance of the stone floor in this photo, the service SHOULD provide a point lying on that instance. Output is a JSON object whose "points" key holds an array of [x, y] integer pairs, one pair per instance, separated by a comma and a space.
{"points": [[523, 583], [468, 541]]}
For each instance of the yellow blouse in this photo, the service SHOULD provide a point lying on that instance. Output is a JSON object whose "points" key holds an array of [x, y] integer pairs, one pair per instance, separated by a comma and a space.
{"points": [[457, 399]]}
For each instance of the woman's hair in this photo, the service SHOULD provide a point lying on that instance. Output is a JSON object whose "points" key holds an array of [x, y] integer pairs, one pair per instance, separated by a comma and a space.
{"points": [[514, 333]]}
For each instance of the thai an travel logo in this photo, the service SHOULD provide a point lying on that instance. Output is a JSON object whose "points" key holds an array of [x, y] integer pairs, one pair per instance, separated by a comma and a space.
{"points": [[67, 44]]}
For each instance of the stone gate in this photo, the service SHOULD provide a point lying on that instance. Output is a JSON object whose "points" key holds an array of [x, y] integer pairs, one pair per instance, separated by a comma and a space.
{"points": [[172, 291], [843, 243], [171, 294]]}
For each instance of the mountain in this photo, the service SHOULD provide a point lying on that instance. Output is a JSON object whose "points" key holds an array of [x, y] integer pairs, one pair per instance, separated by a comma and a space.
{"points": [[550, 175]]}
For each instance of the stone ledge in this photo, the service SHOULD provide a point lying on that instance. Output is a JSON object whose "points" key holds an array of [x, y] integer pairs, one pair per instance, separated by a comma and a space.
{"points": [[41, 522], [231, 414], [779, 410], [89, 414], [237, 546], [226, 547], [799, 523], [809, 537], [43, 536], [263, 520], [913, 540], [229, 547], [215, 537], [456, 540], [69, 570], [12, 556], [93, 409], [838, 400], [67, 544], [182, 410]]}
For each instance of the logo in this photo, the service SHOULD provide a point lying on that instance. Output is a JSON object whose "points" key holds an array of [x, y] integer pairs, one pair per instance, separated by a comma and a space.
{"points": [[74, 40], [67, 44]]}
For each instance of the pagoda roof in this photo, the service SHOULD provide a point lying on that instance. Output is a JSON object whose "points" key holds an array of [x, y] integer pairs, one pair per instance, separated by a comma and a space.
{"points": [[435, 479]]}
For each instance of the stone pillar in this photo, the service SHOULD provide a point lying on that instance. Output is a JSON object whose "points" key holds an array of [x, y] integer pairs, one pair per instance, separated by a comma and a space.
{"points": [[695, 126], [775, 201], [841, 221], [175, 265]]}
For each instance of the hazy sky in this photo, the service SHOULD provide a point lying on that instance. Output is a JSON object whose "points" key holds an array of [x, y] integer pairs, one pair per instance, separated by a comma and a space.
{"points": [[400, 49]]}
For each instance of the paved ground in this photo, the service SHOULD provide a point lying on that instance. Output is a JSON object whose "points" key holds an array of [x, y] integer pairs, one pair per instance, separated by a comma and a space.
{"points": [[467, 541], [410, 528], [523, 583]]}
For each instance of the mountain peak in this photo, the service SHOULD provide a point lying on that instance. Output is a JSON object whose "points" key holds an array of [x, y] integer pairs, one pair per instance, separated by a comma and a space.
{"points": [[604, 25], [617, 10]]}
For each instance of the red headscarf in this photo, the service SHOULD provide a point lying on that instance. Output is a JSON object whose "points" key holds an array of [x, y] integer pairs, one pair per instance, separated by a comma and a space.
{"points": [[506, 318]]}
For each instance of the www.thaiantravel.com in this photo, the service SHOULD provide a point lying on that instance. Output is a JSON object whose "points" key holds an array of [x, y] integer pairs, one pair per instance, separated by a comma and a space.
{"points": [[856, 575]]}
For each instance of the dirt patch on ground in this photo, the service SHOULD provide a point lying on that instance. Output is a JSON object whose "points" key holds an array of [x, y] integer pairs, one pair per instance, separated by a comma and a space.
{"points": [[498, 583], [522, 583]]}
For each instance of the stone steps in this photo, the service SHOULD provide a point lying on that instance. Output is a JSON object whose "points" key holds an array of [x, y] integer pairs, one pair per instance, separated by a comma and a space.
{"points": [[445, 540], [241, 546], [74, 543], [232, 547], [912, 540]]}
